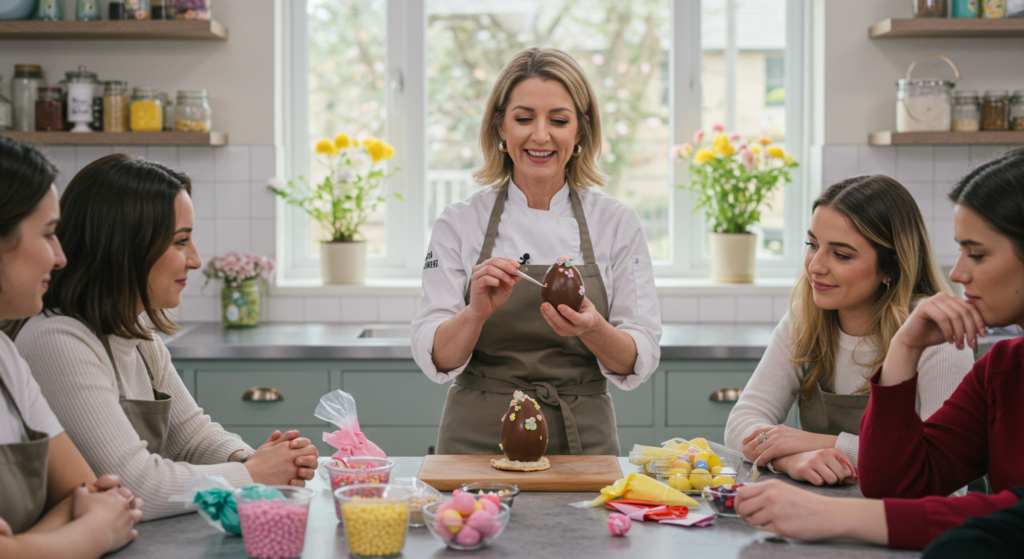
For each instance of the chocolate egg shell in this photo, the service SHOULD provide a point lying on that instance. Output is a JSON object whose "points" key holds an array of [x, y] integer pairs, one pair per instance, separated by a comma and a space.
{"points": [[524, 432], [563, 286]]}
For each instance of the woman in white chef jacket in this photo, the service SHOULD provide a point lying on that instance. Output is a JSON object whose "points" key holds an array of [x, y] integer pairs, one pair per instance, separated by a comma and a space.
{"points": [[492, 335]]}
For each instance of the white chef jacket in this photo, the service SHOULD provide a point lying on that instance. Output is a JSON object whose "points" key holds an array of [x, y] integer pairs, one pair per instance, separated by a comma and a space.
{"points": [[619, 246], [22, 387]]}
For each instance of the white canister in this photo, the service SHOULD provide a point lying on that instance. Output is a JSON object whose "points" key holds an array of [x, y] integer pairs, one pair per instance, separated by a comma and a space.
{"points": [[925, 105], [80, 105]]}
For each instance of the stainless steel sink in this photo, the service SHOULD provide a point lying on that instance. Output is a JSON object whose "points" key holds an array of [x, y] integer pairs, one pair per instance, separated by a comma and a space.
{"points": [[400, 332]]}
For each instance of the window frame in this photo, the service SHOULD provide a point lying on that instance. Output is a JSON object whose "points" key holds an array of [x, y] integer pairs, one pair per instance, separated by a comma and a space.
{"points": [[406, 94]]}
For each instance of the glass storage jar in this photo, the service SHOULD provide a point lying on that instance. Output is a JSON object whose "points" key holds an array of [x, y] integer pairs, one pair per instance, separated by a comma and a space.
{"points": [[49, 110], [146, 112], [115, 107], [193, 111], [6, 109], [995, 111], [81, 75], [925, 104], [165, 100], [25, 91], [966, 111], [993, 9], [965, 8], [136, 9], [929, 8], [1017, 110]]}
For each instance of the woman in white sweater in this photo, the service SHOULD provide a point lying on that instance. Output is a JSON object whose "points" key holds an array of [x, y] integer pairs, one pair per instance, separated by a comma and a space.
{"points": [[126, 227], [868, 262]]}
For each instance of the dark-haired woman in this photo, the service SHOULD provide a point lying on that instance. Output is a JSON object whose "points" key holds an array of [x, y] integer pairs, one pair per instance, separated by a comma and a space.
{"points": [[127, 230], [51, 504], [868, 262], [911, 463]]}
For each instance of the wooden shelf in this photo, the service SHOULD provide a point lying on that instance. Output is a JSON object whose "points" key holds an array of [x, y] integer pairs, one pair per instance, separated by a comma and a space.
{"points": [[888, 138], [120, 139], [947, 27], [186, 29]]}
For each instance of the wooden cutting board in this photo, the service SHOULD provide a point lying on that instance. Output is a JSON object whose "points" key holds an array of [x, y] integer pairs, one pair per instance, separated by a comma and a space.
{"points": [[567, 473]]}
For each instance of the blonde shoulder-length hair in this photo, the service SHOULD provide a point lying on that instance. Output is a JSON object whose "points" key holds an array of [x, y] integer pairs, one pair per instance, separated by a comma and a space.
{"points": [[581, 171], [886, 215]]}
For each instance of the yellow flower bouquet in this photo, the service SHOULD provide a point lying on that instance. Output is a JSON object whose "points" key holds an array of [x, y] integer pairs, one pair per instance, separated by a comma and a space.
{"points": [[733, 178], [352, 189]]}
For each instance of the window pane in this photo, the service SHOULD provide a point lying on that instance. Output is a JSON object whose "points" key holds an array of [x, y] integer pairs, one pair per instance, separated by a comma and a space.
{"points": [[622, 46], [756, 85], [346, 87]]}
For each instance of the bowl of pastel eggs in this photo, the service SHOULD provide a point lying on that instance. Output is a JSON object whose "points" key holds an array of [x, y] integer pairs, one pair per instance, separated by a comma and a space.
{"points": [[467, 522]]}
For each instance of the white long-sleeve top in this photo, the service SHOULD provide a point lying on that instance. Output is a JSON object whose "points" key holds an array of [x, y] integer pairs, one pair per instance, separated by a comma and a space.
{"points": [[619, 247], [23, 395], [775, 385], [77, 379]]}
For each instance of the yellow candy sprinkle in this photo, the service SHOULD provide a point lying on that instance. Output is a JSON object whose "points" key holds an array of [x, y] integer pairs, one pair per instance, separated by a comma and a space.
{"points": [[512, 417]]}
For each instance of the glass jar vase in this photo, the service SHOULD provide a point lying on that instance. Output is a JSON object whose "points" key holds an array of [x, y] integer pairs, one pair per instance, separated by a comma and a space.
{"points": [[923, 105], [147, 112], [240, 306], [115, 107], [966, 111], [192, 113]]}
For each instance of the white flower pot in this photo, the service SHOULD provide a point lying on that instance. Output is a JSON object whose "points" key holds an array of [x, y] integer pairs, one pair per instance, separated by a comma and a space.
{"points": [[343, 263], [732, 257]]}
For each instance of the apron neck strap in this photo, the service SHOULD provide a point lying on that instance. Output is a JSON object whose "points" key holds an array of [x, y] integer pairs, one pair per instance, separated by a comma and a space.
{"points": [[581, 221], [117, 373], [17, 410]]}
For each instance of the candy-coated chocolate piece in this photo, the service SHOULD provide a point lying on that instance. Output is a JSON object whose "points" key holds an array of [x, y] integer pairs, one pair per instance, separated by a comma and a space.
{"points": [[563, 285], [464, 503], [524, 434], [483, 522], [452, 520], [468, 536], [701, 465]]}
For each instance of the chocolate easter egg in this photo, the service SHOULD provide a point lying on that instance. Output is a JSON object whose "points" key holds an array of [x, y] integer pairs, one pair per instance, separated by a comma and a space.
{"points": [[524, 433], [563, 285]]}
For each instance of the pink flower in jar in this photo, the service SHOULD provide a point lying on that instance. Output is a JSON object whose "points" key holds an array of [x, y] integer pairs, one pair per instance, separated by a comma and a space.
{"points": [[717, 128], [698, 136]]}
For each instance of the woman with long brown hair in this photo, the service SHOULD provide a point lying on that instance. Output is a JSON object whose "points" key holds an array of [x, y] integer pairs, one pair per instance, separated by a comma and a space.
{"points": [[868, 262]]}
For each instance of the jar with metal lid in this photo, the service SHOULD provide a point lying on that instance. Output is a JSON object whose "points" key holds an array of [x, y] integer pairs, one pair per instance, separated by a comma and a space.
{"points": [[193, 111], [929, 8], [146, 112], [168, 107], [925, 105], [49, 110], [1017, 110], [966, 111], [83, 104], [115, 107], [24, 92], [995, 110]]}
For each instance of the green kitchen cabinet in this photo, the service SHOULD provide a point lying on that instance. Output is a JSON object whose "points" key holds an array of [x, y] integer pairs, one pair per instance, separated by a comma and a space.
{"points": [[400, 409]]}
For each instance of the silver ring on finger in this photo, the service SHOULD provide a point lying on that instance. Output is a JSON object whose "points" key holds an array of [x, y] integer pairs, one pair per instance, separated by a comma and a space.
{"points": [[763, 438]]}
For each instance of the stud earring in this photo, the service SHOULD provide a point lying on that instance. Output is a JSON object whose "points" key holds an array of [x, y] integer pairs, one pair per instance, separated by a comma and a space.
{"points": [[502, 147]]}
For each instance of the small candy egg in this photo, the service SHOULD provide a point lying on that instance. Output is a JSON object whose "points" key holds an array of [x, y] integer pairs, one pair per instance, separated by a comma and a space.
{"points": [[490, 507], [700, 479], [464, 503], [492, 498], [681, 463], [441, 530], [716, 469], [701, 465], [722, 480], [619, 524], [452, 520], [443, 508], [468, 536], [679, 483], [483, 522]]}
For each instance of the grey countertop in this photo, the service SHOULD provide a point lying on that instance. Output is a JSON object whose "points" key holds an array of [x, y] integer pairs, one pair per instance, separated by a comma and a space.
{"points": [[338, 341], [542, 524]]}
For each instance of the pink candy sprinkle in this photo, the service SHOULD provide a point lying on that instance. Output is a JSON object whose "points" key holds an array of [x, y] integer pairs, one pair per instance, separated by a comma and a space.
{"points": [[273, 529], [619, 524]]}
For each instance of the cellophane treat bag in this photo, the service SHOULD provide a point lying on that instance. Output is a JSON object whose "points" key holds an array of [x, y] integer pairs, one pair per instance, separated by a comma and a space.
{"points": [[339, 407]]}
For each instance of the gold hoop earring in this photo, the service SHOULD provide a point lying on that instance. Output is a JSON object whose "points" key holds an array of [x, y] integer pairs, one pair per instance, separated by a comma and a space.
{"points": [[502, 147], [577, 150]]}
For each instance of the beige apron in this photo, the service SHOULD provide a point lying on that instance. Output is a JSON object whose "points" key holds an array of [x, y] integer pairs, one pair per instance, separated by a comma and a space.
{"points": [[518, 350], [831, 414], [23, 475], [150, 418]]}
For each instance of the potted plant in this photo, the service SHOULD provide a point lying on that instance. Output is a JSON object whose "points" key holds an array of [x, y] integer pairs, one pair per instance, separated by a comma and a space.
{"points": [[732, 180], [240, 296], [343, 201]]}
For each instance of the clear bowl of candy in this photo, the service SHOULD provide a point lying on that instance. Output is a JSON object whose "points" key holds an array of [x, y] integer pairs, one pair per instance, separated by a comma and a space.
{"points": [[357, 470], [722, 499], [506, 492], [376, 518], [422, 495], [273, 519], [467, 522]]}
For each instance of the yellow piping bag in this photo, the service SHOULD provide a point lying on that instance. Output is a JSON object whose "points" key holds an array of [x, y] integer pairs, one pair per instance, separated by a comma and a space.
{"points": [[639, 486]]}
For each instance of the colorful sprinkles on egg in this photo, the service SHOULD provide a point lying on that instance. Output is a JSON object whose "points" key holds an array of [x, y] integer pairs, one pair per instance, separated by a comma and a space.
{"points": [[530, 424], [512, 417], [581, 290]]}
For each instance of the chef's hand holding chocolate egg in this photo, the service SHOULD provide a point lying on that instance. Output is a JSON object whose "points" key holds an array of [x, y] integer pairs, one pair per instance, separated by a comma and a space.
{"points": [[491, 285], [568, 322]]}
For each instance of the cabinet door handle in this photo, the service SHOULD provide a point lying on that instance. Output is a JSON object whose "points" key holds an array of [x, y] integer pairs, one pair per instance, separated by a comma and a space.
{"points": [[262, 394], [725, 395]]}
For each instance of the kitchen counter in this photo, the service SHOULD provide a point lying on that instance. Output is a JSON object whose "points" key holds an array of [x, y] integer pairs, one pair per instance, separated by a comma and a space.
{"points": [[338, 341], [542, 525]]}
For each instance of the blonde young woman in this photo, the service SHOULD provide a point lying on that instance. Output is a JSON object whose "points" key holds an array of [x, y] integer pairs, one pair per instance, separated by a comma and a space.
{"points": [[482, 327], [867, 264]]}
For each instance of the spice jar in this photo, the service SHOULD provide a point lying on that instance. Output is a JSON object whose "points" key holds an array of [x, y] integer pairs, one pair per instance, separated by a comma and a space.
{"points": [[147, 113], [193, 111], [993, 9], [1017, 110], [924, 104], [25, 91], [168, 108], [965, 8], [995, 111], [966, 111], [929, 8], [115, 107], [49, 110]]}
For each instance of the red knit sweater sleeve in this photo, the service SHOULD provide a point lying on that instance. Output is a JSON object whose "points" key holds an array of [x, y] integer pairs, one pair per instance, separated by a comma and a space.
{"points": [[902, 456], [914, 523]]}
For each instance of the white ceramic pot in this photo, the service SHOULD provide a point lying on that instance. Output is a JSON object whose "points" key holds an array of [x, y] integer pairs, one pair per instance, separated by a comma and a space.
{"points": [[732, 257], [343, 263]]}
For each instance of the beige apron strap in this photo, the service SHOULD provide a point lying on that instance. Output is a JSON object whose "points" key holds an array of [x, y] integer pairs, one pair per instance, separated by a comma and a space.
{"points": [[113, 363], [581, 220], [14, 403], [492, 224]]}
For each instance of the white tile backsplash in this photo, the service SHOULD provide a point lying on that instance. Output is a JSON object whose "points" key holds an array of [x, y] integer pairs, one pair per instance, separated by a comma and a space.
{"points": [[231, 163], [924, 195], [359, 309], [717, 309], [839, 162], [197, 162], [261, 163], [262, 237], [285, 309], [873, 160], [232, 234], [679, 309], [204, 200], [322, 309], [396, 309], [85, 155], [915, 163], [164, 155], [261, 200], [754, 309], [951, 163], [232, 200]]}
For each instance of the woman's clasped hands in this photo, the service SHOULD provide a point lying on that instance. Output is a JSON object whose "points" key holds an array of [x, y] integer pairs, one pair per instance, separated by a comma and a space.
{"points": [[285, 459], [804, 456]]}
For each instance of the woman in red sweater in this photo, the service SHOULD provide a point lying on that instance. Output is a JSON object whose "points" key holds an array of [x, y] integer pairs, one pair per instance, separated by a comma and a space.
{"points": [[908, 466]]}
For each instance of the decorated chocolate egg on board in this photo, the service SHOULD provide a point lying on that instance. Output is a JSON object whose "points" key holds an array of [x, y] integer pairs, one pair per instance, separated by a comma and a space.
{"points": [[563, 285], [524, 432]]}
